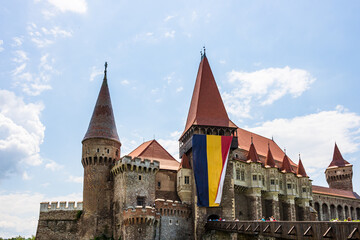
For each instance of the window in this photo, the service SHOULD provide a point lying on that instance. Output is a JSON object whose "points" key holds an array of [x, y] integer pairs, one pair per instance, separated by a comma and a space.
{"points": [[263, 181], [254, 177], [140, 201], [304, 190], [177, 222], [259, 177], [187, 180], [140, 177], [237, 174], [97, 150], [289, 186], [272, 181], [159, 185], [242, 175], [170, 222], [108, 150], [281, 185]]}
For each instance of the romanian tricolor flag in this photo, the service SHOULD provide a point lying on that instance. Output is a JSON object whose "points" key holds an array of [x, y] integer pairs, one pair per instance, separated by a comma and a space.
{"points": [[210, 157]]}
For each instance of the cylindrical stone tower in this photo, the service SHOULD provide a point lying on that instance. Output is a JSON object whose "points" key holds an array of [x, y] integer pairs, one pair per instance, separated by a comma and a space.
{"points": [[100, 150]]}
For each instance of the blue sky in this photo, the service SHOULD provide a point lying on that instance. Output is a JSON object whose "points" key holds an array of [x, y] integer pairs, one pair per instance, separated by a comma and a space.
{"points": [[287, 69]]}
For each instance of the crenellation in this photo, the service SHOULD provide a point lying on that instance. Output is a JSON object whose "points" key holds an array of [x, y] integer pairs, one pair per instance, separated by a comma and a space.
{"points": [[60, 206]]}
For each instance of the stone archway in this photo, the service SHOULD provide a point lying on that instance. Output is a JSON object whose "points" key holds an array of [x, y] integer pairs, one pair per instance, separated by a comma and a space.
{"points": [[325, 212], [340, 212], [332, 211], [317, 209]]}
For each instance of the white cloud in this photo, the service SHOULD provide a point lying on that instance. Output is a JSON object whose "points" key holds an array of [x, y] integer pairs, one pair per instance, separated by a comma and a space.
{"points": [[172, 144], [77, 6], [26, 176], [33, 83], [170, 34], [179, 89], [125, 82], [1, 44], [94, 73], [264, 87], [20, 56], [18, 41], [53, 166], [314, 136], [42, 37], [75, 179], [23, 221], [21, 132], [222, 61], [168, 18]]}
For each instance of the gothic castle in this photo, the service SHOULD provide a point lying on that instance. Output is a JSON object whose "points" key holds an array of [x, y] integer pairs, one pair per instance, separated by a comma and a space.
{"points": [[149, 195]]}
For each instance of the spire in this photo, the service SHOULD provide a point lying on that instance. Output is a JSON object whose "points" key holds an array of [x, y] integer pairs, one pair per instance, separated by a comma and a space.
{"points": [[252, 155], [301, 169], [269, 161], [207, 107], [102, 123], [338, 160], [286, 166]]}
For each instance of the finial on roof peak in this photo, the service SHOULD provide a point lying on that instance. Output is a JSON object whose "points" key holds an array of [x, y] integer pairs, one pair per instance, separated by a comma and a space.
{"points": [[204, 51], [251, 139], [299, 157], [285, 151], [105, 71]]}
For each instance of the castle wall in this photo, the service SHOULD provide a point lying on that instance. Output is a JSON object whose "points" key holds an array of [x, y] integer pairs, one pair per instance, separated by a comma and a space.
{"points": [[166, 185], [58, 222]]}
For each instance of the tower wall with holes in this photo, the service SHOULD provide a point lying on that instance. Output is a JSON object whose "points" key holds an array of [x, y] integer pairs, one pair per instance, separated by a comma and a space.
{"points": [[99, 156], [340, 177], [134, 198]]}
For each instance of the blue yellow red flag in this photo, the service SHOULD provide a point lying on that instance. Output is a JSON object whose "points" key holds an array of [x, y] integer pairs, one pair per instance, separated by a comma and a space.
{"points": [[210, 157]]}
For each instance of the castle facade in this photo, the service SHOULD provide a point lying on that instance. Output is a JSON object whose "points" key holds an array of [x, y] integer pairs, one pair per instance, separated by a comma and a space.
{"points": [[148, 194]]}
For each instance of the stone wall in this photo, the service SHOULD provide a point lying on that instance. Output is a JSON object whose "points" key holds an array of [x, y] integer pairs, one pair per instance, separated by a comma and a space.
{"points": [[58, 222], [165, 182]]}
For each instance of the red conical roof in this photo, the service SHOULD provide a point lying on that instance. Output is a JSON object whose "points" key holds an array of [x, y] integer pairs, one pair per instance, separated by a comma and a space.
{"points": [[286, 166], [338, 160], [207, 107], [252, 155], [185, 162], [269, 161], [301, 169], [102, 123]]}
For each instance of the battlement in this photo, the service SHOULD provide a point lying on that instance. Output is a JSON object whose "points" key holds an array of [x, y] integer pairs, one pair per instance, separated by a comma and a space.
{"points": [[127, 163], [172, 208], [62, 206], [140, 215]]}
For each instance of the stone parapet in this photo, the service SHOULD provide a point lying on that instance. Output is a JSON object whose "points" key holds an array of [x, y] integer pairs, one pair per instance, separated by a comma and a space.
{"points": [[172, 208], [135, 164], [140, 215], [62, 206]]}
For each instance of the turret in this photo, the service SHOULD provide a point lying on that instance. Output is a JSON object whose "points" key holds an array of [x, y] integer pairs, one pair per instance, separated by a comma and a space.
{"points": [[339, 173], [184, 182], [100, 150]]}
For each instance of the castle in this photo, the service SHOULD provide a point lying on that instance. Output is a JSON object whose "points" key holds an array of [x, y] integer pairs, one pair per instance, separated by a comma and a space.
{"points": [[149, 195]]}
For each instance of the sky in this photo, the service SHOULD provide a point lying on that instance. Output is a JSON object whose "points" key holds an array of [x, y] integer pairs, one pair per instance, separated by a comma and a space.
{"points": [[285, 69]]}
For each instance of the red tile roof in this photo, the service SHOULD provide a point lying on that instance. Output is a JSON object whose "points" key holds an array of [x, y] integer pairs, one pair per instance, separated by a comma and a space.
{"points": [[335, 192], [102, 123], [152, 150], [262, 145], [269, 161], [252, 154], [301, 169], [338, 160], [185, 162], [207, 107], [286, 166]]}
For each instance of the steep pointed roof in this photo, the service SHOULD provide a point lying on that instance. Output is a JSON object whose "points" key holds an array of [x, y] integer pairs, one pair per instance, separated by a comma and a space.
{"points": [[152, 150], [185, 162], [269, 161], [338, 160], [207, 107], [262, 146], [252, 155], [102, 123], [286, 166], [301, 169]]}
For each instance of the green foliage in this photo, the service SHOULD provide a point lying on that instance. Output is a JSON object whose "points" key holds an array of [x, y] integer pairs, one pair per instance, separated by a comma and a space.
{"points": [[18, 238], [78, 214]]}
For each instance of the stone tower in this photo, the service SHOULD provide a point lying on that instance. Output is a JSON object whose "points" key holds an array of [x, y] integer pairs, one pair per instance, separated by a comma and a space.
{"points": [[100, 150], [339, 173], [207, 115]]}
